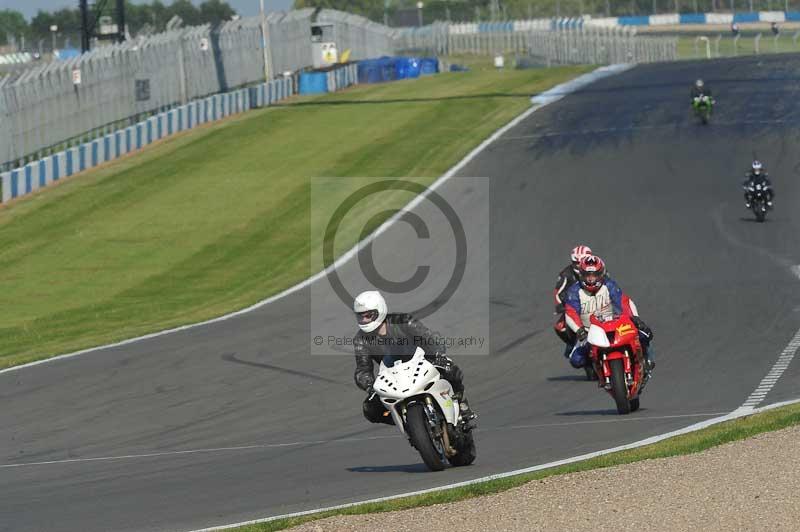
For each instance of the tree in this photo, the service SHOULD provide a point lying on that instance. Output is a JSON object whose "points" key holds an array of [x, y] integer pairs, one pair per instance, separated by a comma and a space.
{"points": [[215, 11], [186, 10], [12, 26]]}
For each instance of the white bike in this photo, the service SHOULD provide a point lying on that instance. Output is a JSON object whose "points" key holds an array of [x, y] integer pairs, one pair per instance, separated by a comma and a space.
{"points": [[423, 408]]}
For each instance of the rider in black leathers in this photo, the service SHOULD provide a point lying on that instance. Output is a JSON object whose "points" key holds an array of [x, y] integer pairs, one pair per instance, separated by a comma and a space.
{"points": [[757, 176], [566, 278], [699, 89], [403, 335]]}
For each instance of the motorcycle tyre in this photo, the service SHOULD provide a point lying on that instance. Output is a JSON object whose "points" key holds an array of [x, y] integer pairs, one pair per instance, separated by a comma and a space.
{"points": [[618, 387], [421, 439]]}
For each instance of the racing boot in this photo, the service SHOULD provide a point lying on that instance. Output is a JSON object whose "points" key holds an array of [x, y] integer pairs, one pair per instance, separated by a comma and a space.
{"points": [[468, 417], [649, 365]]}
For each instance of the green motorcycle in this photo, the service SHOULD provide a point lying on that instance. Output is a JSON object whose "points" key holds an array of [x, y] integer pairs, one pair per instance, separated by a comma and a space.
{"points": [[702, 106]]}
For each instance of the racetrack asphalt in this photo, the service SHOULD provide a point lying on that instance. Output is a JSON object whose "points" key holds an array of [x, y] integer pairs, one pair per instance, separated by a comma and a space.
{"points": [[237, 421]]}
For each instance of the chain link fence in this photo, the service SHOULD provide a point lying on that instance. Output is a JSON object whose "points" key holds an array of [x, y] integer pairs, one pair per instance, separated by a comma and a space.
{"points": [[61, 104], [587, 45]]}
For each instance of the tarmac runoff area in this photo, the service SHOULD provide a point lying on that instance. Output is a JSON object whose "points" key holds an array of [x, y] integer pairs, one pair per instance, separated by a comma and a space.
{"points": [[746, 485]]}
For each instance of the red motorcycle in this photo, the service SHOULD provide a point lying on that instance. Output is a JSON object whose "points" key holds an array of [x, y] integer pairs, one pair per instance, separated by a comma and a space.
{"points": [[618, 360]]}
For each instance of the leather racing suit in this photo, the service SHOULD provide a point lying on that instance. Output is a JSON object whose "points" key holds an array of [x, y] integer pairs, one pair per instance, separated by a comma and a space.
{"points": [[566, 278], [754, 179], [404, 335], [608, 302]]}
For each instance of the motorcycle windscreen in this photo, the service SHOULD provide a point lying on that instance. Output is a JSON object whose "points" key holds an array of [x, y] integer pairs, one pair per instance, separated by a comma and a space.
{"points": [[597, 336]]}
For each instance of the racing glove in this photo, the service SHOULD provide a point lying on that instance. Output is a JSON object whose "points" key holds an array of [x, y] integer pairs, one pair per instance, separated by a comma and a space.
{"points": [[582, 334]]}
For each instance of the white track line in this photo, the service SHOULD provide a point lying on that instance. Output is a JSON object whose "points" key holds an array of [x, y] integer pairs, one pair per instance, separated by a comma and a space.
{"points": [[257, 446], [654, 439], [769, 382], [539, 101]]}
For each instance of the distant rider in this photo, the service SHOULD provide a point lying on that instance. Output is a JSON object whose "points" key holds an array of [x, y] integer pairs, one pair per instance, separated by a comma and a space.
{"points": [[699, 90], [396, 337], [566, 278], [597, 294], [757, 176]]}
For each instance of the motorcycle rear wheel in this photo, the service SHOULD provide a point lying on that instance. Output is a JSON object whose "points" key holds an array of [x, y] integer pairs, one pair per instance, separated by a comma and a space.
{"points": [[419, 432], [618, 387]]}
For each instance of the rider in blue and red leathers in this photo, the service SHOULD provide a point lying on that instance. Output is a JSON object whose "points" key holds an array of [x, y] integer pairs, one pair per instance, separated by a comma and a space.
{"points": [[597, 294]]}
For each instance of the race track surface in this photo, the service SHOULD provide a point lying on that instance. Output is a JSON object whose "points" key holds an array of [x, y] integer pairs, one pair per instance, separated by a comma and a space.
{"points": [[621, 165]]}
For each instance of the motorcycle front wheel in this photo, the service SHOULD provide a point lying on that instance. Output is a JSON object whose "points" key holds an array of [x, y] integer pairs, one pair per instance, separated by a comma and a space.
{"points": [[618, 387], [760, 213], [419, 432]]}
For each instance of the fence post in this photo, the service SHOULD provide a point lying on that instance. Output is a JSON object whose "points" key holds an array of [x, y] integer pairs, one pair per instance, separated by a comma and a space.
{"points": [[756, 43]]}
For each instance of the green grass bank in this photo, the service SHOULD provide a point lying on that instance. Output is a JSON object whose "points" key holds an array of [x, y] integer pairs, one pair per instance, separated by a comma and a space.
{"points": [[216, 219]]}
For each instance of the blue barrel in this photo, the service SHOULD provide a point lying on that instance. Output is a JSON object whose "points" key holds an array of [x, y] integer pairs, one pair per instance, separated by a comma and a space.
{"points": [[406, 67], [313, 82], [428, 65]]}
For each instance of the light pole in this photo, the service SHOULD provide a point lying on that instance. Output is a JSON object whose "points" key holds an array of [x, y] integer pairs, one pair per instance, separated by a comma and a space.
{"points": [[53, 30], [419, 13]]}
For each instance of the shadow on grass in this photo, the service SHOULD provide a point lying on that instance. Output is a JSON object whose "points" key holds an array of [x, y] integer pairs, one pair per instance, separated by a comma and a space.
{"points": [[405, 100]]}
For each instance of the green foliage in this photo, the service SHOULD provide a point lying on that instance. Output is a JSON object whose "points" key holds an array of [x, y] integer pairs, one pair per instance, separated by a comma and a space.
{"points": [[12, 25], [68, 20]]}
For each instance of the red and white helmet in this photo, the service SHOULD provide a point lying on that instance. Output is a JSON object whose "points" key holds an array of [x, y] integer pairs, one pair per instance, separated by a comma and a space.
{"points": [[578, 252], [592, 273]]}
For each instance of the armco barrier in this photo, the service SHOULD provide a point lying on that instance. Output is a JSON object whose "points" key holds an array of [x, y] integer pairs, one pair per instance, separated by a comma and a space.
{"points": [[743, 18], [41, 173], [566, 23], [692, 19]]}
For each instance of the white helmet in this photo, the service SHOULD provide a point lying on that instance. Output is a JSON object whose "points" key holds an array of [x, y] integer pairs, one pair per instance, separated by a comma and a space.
{"points": [[370, 309], [699, 84], [578, 252], [757, 167]]}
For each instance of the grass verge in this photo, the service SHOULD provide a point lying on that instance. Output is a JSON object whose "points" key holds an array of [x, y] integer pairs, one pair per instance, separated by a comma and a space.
{"points": [[216, 219], [694, 442]]}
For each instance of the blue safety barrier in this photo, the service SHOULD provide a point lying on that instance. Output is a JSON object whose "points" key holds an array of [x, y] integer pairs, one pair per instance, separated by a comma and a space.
{"points": [[313, 82], [428, 65], [740, 18], [406, 67], [692, 18], [633, 21], [793, 16]]}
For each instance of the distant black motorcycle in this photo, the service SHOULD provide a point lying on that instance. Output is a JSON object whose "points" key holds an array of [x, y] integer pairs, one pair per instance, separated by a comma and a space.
{"points": [[760, 199]]}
